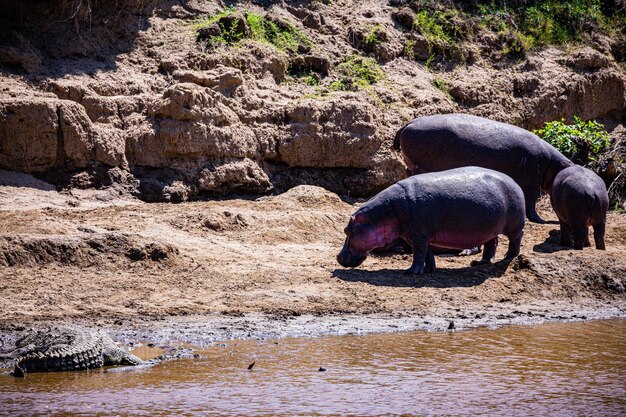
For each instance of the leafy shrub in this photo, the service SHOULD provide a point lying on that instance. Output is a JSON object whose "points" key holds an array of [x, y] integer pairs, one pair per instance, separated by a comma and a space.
{"points": [[582, 142]]}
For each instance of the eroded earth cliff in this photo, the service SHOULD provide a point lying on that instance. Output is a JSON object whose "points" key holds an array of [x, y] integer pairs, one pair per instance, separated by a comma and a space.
{"points": [[94, 94]]}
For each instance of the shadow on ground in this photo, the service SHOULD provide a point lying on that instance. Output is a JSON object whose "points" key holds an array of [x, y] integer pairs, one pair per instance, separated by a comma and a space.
{"points": [[441, 278], [551, 244]]}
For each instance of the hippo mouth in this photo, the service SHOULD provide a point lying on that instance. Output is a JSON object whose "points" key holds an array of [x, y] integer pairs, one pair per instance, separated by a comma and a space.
{"points": [[350, 260]]}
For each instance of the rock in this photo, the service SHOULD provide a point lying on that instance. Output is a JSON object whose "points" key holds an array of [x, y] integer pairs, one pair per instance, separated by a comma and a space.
{"points": [[525, 85], [418, 47], [588, 59], [156, 191], [209, 32], [237, 25], [613, 285], [383, 45], [223, 79], [325, 134], [243, 175], [16, 50], [80, 250], [405, 17], [29, 130], [308, 63]]}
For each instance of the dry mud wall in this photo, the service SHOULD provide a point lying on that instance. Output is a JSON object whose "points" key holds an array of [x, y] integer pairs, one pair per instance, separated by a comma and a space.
{"points": [[120, 94]]}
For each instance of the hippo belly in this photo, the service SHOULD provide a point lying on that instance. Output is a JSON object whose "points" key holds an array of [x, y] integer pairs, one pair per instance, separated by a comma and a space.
{"points": [[460, 239]]}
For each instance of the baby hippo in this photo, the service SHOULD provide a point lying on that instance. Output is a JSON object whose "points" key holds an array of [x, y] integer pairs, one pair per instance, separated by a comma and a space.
{"points": [[459, 208], [580, 200]]}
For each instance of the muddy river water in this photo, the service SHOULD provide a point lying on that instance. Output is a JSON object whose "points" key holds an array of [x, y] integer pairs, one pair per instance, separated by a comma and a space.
{"points": [[550, 369]]}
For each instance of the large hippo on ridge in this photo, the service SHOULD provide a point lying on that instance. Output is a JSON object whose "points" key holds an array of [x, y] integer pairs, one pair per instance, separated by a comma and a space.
{"points": [[440, 142], [459, 208], [580, 200]]}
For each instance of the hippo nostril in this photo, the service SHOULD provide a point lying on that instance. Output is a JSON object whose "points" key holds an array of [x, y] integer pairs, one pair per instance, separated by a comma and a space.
{"points": [[350, 260], [344, 258]]}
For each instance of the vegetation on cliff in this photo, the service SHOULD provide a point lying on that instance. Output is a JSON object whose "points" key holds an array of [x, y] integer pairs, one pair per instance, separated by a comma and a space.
{"points": [[506, 29]]}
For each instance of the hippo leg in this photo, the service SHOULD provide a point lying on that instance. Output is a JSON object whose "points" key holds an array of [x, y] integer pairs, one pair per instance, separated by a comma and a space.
{"points": [[581, 235], [430, 260], [489, 252], [531, 210], [420, 250], [598, 236], [566, 235], [515, 242]]}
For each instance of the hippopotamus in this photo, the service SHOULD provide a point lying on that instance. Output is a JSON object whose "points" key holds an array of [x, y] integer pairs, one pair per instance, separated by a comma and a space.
{"points": [[440, 142], [458, 208], [580, 199]]}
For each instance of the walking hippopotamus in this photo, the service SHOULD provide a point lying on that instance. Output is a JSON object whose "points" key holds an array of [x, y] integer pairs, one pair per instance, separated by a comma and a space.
{"points": [[440, 142], [459, 208], [580, 200]]}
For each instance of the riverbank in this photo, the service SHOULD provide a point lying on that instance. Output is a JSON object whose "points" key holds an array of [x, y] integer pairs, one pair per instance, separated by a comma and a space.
{"points": [[250, 268]]}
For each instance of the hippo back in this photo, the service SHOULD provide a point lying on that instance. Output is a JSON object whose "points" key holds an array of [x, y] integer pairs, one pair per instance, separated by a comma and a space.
{"points": [[579, 191], [440, 142]]}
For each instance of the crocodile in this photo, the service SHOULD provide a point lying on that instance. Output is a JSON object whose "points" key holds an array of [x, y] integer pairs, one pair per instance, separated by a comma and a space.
{"points": [[67, 348]]}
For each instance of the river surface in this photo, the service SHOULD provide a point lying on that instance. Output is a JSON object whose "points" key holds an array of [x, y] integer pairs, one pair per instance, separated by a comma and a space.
{"points": [[570, 369]]}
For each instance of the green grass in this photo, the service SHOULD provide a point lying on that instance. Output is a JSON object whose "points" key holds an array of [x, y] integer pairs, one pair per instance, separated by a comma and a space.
{"points": [[432, 26], [373, 37], [441, 85], [357, 72], [308, 79], [285, 37], [549, 22], [521, 25]]}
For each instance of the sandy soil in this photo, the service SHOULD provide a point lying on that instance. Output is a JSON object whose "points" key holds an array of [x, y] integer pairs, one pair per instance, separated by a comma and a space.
{"points": [[265, 267]]}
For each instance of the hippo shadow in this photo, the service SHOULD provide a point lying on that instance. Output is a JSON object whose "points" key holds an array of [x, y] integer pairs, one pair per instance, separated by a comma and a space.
{"points": [[440, 278], [551, 244]]}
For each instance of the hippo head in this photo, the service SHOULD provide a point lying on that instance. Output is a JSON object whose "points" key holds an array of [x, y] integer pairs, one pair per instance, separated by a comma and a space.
{"points": [[363, 235]]}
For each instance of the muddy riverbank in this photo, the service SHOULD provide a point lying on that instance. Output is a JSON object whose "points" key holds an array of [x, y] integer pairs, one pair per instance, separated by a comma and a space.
{"points": [[265, 267]]}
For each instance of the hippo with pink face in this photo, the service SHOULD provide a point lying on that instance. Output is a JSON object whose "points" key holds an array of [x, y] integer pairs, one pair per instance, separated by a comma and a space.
{"points": [[459, 208], [445, 141], [580, 199]]}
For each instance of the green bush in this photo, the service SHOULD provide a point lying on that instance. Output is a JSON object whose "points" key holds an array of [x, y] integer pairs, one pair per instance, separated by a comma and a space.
{"points": [[582, 142]]}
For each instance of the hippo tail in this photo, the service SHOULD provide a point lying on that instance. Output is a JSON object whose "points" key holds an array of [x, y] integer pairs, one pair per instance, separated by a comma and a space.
{"points": [[396, 139]]}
